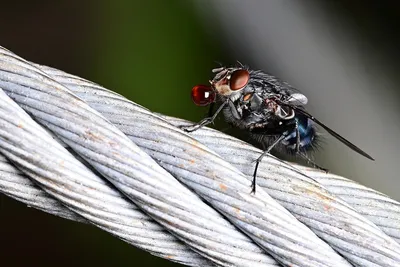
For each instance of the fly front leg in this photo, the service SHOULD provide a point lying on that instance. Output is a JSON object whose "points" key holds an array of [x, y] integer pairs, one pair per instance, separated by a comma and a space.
{"points": [[211, 109], [277, 141], [205, 121]]}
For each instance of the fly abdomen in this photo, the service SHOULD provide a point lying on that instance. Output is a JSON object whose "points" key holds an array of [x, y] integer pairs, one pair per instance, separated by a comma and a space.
{"points": [[307, 132]]}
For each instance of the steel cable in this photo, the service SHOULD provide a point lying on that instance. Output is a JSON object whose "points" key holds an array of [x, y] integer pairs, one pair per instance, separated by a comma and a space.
{"points": [[68, 180], [40, 157], [357, 239], [377, 207], [149, 186], [232, 203], [16, 185], [316, 199], [328, 216]]}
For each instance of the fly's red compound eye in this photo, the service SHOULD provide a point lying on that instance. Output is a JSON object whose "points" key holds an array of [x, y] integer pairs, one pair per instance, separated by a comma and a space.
{"points": [[203, 95], [239, 79]]}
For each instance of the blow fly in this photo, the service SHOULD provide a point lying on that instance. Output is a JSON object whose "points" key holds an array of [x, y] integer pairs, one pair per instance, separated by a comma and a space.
{"points": [[270, 109]]}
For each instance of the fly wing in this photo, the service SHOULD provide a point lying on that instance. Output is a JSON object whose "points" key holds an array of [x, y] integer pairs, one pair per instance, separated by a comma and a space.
{"points": [[330, 131], [274, 85], [297, 99]]}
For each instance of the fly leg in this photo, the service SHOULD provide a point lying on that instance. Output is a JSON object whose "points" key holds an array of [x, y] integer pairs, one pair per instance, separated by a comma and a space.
{"points": [[312, 163], [204, 121], [211, 109], [277, 141], [297, 137]]}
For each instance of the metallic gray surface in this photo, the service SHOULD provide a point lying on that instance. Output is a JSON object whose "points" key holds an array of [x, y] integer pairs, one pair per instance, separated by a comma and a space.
{"points": [[131, 170], [317, 200], [328, 216], [146, 129], [63, 177]]}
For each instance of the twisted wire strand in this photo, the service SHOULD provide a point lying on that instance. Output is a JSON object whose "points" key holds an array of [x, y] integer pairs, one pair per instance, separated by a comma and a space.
{"points": [[125, 121], [15, 184], [377, 207], [45, 161], [67, 179], [301, 193], [132, 119], [328, 216], [136, 175], [317, 200]]}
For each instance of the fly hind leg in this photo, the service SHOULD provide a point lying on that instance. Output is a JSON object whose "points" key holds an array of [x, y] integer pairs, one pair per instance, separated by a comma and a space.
{"points": [[311, 162], [277, 141]]}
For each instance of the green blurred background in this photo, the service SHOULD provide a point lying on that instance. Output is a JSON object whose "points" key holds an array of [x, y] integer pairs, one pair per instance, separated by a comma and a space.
{"points": [[153, 52]]}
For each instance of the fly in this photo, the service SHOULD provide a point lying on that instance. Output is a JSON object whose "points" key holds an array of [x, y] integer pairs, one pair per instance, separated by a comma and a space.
{"points": [[270, 109]]}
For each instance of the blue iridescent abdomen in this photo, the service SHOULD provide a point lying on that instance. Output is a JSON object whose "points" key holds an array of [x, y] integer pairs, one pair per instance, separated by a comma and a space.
{"points": [[307, 134]]}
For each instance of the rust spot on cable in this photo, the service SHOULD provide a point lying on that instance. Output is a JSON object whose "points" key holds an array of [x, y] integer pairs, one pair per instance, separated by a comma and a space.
{"points": [[113, 144], [118, 155], [319, 193], [172, 224], [223, 187], [211, 174], [195, 142], [92, 136]]}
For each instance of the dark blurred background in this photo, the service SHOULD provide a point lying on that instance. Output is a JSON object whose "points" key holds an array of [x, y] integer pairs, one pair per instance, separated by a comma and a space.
{"points": [[342, 54]]}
